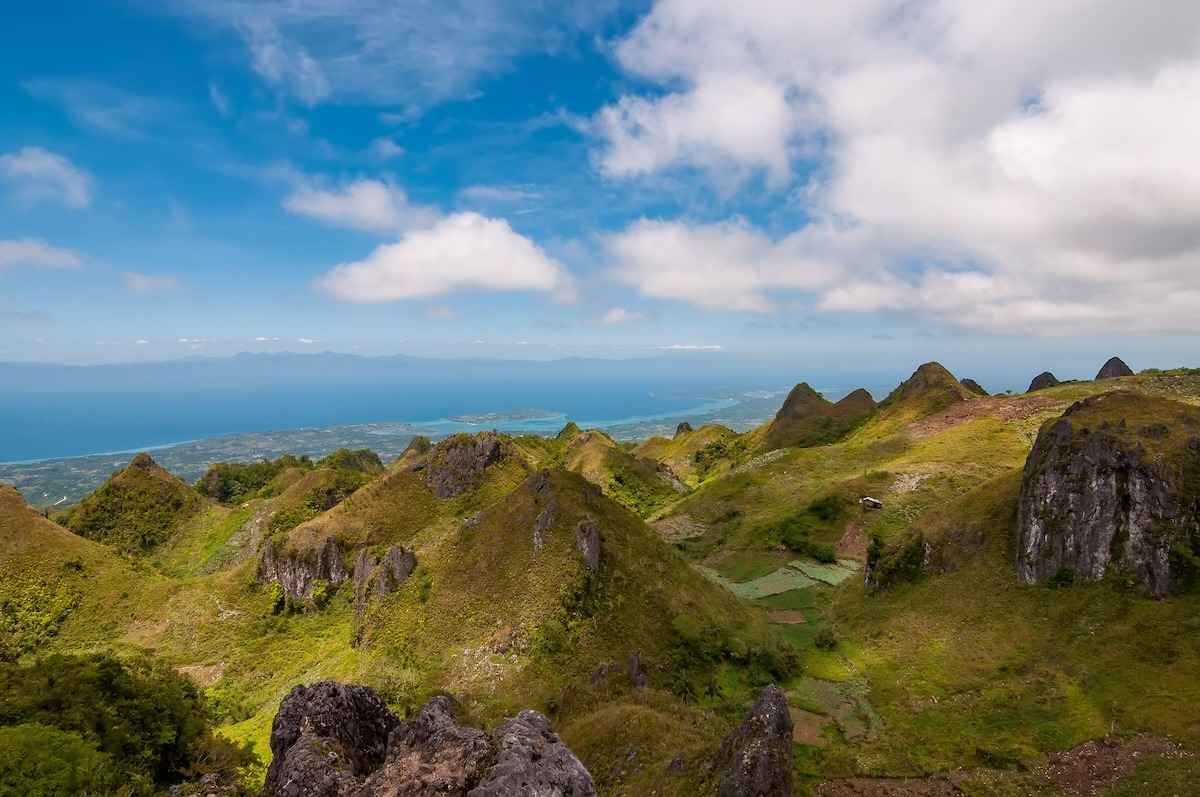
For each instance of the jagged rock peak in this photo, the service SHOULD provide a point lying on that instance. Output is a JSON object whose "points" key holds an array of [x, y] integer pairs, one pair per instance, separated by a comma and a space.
{"points": [[457, 464], [755, 759], [1042, 381], [683, 428], [142, 461], [973, 386], [1111, 486], [330, 740], [1113, 368]]}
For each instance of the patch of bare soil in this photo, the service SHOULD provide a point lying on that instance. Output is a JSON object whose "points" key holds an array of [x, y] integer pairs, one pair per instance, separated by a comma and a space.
{"points": [[680, 527], [1088, 768], [943, 784], [853, 544], [806, 727], [1083, 771], [1002, 407], [786, 616], [717, 559]]}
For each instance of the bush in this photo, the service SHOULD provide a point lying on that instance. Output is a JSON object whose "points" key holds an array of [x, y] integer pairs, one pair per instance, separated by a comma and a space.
{"points": [[144, 718], [40, 761]]}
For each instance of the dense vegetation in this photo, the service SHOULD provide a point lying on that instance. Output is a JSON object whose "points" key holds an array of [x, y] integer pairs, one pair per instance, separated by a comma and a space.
{"points": [[92, 723]]}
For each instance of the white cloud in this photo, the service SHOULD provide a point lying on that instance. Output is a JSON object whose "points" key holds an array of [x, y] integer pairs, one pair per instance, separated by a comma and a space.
{"points": [[975, 164], [148, 284], [219, 99], [32, 252], [617, 316], [464, 251], [729, 266], [386, 148], [691, 347], [284, 63], [38, 174], [364, 204], [306, 341]]}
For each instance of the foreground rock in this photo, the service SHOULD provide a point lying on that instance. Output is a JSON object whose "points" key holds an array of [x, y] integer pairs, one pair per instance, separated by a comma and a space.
{"points": [[332, 740], [1113, 486], [755, 760]]}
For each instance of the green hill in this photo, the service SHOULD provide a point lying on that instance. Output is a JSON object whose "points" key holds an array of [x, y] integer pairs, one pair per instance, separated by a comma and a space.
{"points": [[137, 509]]}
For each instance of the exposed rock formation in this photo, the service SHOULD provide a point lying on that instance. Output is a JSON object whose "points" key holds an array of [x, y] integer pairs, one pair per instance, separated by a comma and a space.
{"points": [[1113, 368], [973, 386], [587, 539], [325, 738], [380, 577], [1112, 486], [755, 759], [457, 464], [298, 571], [331, 740], [1042, 381], [683, 428]]}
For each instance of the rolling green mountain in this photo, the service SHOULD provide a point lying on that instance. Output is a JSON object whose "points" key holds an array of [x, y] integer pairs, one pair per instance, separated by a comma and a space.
{"points": [[522, 573]]}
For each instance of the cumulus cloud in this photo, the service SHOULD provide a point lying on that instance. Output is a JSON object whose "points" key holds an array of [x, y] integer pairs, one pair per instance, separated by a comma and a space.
{"points": [[729, 266], [40, 175], [1011, 167], [148, 284], [39, 254], [464, 251], [369, 205]]}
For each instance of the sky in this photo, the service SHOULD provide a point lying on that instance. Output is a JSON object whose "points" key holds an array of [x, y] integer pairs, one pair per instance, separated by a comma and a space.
{"points": [[999, 185]]}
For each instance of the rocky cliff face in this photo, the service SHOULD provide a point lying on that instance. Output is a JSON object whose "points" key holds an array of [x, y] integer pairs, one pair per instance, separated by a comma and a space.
{"points": [[298, 571], [457, 464], [1110, 487], [330, 740], [755, 759]]}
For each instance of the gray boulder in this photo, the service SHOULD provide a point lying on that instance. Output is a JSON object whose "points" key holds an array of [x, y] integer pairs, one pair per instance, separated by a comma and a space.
{"points": [[755, 759], [324, 738]]}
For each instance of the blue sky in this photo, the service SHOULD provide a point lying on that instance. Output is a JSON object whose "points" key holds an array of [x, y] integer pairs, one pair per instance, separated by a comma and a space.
{"points": [[983, 184]]}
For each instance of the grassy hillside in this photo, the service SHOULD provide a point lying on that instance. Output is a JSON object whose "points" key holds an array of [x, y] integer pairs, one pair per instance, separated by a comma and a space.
{"points": [[137, 509]]}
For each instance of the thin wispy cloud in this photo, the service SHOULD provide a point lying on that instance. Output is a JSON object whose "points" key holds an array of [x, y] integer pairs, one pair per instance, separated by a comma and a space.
{"points": [[406, 54], [108, 109], [36, 253], [149, 284], [36, 174]]}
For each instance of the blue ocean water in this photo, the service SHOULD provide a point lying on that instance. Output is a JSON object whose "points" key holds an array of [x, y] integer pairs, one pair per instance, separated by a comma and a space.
{"points": [[51, 424]]}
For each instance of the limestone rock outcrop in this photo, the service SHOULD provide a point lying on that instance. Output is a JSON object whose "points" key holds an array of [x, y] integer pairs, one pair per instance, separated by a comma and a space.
{"points": [[298, 571], [332, 740], [1113, 486], [1113, 368], [1042, 381], [457, 464], [755, 759]]}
